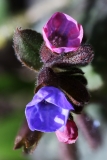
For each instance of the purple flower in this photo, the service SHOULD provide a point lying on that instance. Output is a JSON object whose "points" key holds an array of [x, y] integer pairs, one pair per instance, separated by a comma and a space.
{"points": [[62, 33], [48, 111]]}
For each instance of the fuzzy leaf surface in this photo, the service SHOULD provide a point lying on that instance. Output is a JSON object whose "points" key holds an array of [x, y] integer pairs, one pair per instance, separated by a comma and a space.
{"points": [[27, 44]]}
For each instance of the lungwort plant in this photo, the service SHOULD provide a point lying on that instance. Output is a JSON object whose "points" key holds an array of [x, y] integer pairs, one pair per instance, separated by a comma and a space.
{"points": [[61, 85]]}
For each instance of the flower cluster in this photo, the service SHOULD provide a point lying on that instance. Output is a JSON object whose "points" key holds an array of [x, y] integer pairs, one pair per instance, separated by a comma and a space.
{"points": [[61, 86], [50, 108]]}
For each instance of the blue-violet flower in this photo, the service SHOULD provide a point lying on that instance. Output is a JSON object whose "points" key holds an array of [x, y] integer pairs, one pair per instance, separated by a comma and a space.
{"points": [[62, 33], [48, 111]]}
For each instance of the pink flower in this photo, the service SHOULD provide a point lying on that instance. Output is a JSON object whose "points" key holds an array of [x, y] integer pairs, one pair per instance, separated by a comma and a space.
{"points": [[62, 33], [70, 133]]}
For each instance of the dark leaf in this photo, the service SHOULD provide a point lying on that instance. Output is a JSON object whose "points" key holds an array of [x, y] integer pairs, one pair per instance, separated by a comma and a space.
{"points": [[80, 78], [83, 56], [78, 110], [27, 44], [47, 77], [65, 69], [27, 139], [46, 54], [72, 83], [74, 90], [72, 71]]}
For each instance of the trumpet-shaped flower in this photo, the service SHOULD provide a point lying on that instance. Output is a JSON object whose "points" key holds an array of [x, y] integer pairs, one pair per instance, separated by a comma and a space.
{"points": [[48, 111], [62, 33]]}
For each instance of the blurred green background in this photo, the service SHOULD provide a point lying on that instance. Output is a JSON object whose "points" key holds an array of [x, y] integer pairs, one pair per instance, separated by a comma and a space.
{"points": [[17, 82]]}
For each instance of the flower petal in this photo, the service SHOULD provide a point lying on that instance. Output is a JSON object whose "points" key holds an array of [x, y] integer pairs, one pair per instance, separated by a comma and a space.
{"points": [[46, 117], [52, 95], [57, 98], [48, 111], [62, 33]]}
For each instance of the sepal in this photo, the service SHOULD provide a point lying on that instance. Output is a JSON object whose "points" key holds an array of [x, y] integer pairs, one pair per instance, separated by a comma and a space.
{"points": [[81, 57]]}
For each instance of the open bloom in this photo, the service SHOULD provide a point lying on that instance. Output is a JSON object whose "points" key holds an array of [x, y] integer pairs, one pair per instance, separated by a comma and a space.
{"points": [[48, 111], [69, 134], [62, 33]]}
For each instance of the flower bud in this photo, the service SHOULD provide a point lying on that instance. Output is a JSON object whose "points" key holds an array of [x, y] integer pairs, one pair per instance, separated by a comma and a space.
{"points": [[69, 134]]}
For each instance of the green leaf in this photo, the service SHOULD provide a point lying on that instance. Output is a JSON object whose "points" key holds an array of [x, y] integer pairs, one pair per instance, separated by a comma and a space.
{"points": [[27, 44]]}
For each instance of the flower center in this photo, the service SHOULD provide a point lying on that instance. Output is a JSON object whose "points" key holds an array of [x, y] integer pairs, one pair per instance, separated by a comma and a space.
{"points": [[45, 106], [44, 102], [58, 40]]}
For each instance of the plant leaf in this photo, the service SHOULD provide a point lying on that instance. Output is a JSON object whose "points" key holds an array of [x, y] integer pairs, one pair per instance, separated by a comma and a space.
{"points": [[27, 44], [27, 139], [74, 88], [81, 57]]}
